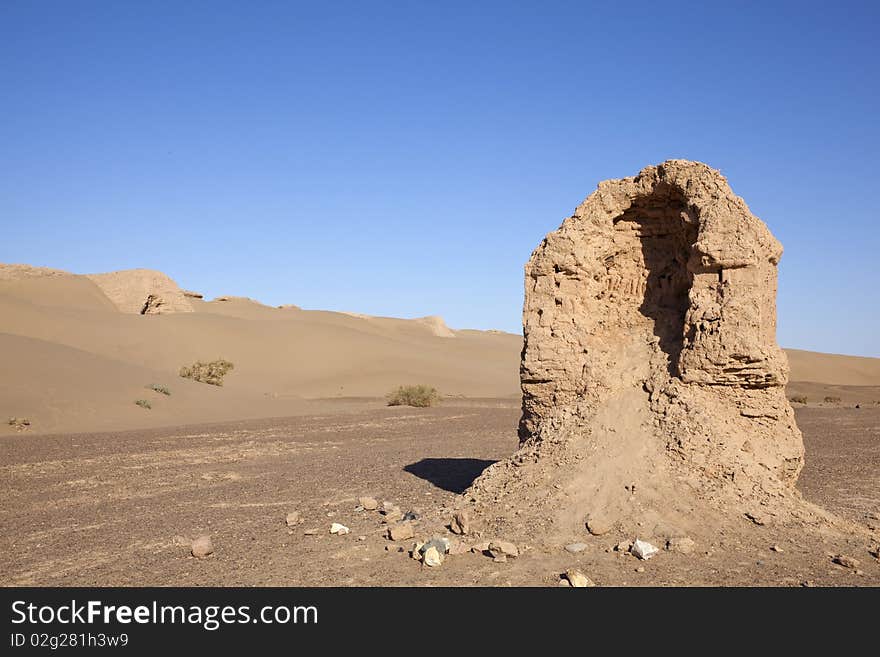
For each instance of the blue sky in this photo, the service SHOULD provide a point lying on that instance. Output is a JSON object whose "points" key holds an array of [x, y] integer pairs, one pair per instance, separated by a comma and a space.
{"points": [[404, 158]]}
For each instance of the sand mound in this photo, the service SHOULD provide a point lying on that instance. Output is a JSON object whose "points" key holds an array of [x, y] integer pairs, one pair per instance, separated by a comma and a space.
{"points": [[652, 381], [14, 272], [143, 291], [436, 326]]}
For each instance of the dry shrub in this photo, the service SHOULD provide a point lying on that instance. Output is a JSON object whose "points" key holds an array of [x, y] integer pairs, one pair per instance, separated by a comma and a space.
{"points": [[211, 373], [143, 403], [155, 387], [832, 400], [19, 423], [420, 396], [799, 399]]}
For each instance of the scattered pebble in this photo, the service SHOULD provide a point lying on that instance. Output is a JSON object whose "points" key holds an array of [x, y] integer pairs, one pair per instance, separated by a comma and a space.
{"points": [[598, 526], [623, 547], [311, 532], [643, 550], [390, 512], [202, 547], [845, 561], [294, 518], [577, 579], [757, 517], [640, 569], [432, 557], [574, 548], [339, 529], [776, 548], [461, 522], [681, 544], [401, 531], [503, 548], [369, 503]]}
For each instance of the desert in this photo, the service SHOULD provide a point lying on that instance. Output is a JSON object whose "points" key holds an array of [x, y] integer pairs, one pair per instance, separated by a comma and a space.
{"points": [[300, 302], [125, 464]]}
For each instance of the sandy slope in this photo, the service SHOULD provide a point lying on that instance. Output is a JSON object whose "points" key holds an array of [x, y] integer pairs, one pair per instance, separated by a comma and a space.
{"points": [[72, 361]]}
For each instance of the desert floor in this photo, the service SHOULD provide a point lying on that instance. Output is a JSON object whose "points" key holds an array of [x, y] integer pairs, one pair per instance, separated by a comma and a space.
{"points": [[120, 508]]}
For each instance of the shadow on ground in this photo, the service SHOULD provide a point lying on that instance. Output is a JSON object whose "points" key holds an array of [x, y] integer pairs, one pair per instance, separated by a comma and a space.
{"points": [[453, 475]]}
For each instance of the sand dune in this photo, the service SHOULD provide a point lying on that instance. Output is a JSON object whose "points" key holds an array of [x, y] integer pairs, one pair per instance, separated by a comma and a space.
{"points": [[73, 360], [833, 369]]}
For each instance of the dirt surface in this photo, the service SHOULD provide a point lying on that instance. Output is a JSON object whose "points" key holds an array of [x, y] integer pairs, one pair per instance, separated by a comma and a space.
{"points": [[121, 508]]}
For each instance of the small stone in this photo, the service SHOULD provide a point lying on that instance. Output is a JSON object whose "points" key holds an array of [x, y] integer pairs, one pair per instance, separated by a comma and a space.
{"points": [[640, 569], [643, 550], [598, 526], [503, 548], [875, 552], [845, 561], [390, 512], [681, 544], [577, 579], [339, 529], [480, 548], [440, 542], [311, 532], [410, 515], [362, 538], [574, 548], [458, 547], [401, 532], [501, 558], [432, 557], [369, 503], [757, 517], [202, 547], [623, 547], [294, 518], [776, 548], [563, 581], [461, 522]]}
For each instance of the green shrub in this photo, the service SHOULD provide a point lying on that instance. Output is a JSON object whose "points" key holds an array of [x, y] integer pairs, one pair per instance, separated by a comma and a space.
{"points": [[143, 403], [832, 400], [159, 388], [420, 396], [211, 373], [799, 399]]}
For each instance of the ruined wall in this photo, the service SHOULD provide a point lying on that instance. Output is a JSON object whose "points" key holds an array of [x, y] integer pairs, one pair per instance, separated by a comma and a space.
{"points": [[664, 282]]}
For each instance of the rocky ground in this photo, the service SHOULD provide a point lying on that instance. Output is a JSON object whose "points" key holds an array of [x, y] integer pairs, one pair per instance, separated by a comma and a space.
{"points": [[125, 508]]}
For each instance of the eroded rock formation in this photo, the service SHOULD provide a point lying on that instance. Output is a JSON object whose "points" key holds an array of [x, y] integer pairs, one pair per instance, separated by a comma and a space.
{"points": [[650, 356], [142, 291]]}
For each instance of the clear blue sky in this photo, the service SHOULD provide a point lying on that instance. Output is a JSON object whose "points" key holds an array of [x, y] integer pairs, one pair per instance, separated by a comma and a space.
{"points": [[404, 158]]}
